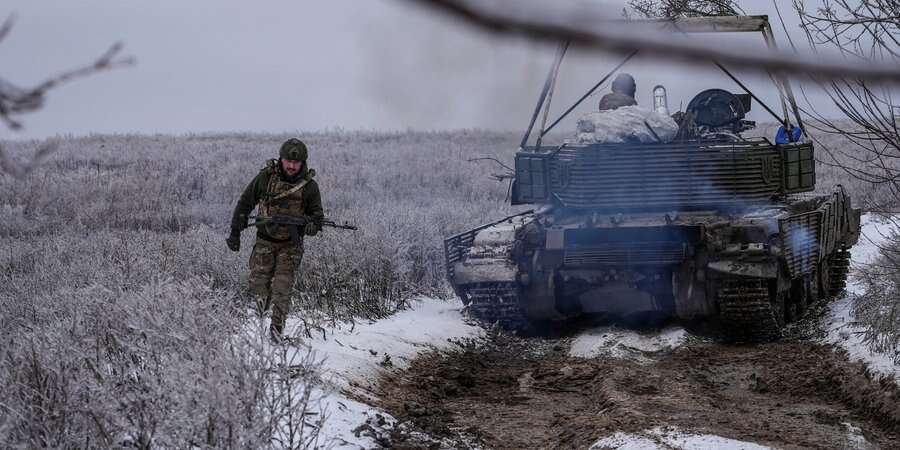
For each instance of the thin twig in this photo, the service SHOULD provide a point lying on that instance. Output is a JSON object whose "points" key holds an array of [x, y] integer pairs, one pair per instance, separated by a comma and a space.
{"points": [[16, 101], [589, 28]]}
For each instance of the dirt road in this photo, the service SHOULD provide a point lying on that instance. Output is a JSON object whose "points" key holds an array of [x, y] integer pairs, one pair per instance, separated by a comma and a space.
{"points": [[512, 392]]}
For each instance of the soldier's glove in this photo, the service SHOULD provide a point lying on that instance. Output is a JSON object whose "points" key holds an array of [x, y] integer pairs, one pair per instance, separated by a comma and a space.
{"points": [[311, 229], [234, 241]]}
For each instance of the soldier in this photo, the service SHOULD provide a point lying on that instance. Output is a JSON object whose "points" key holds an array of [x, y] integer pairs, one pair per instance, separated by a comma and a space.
{"points": [[622, 94], [284, 187]]}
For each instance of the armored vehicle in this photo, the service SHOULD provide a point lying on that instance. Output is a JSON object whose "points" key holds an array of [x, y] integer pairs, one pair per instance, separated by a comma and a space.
{"points": [[709, 225]]}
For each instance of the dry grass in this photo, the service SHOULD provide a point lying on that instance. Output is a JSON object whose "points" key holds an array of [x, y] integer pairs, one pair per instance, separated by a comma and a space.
{"points": [[404, 190]]}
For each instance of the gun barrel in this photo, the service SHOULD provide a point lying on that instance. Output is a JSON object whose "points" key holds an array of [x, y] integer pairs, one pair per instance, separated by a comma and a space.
{"points": [[333, 224], [255, 221]]}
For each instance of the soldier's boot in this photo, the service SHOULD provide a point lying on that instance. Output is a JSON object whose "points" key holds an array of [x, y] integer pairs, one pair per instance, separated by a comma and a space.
{"points": [[276, 334], [280, 308]]}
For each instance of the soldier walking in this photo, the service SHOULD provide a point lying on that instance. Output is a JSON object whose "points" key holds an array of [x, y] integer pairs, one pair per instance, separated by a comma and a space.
{"points": [[284, 187]]}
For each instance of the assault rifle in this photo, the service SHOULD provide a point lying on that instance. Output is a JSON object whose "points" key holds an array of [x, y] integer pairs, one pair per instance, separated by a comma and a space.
{"points": [[294, 223]]}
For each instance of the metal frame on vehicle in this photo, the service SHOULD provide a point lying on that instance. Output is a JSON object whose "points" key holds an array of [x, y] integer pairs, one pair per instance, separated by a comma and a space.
{"points": [[633, 177], [721, 24], [455, 246]]}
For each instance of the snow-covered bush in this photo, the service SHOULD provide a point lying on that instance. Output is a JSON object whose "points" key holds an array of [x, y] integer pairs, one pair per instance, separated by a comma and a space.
{"points": [[878, 308], [169, 364]]}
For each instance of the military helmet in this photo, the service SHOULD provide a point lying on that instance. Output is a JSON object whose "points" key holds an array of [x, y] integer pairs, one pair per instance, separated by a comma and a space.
{"points": [[293, 149], [624, 84]]}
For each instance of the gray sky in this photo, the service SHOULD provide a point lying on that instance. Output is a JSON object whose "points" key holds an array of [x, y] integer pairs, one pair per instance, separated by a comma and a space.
{"points": [[282, 65]]}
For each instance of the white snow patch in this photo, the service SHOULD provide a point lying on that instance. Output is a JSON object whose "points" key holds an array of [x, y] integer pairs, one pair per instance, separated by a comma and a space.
{"points": [[624, 441], [670, 438], [354, 357], [842, 329], [342, 417], [360, 353], [626, 344], [855, 438], [874, 233]]}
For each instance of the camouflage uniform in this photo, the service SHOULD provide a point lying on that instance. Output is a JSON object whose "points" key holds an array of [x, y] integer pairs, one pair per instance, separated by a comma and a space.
{"points": [[616, 100], [276, 258], [623, 89]]}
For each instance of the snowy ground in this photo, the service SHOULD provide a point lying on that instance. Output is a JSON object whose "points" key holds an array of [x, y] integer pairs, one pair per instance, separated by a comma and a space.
{"points": [[355, 356], [616, 342], [668, 438], [665, 438]]}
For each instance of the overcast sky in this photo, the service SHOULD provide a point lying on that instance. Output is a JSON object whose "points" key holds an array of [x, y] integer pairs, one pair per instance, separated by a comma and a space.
{"points": [[301, 65]]}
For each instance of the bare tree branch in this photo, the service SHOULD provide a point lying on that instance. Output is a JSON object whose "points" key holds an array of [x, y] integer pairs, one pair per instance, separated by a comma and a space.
{"points": [[16, 101], [866, 30], [685, 8], [7, 26], [591, 28]]}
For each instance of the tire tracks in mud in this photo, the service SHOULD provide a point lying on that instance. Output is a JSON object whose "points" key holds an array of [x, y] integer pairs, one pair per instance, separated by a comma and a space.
{"points": [[512, 392]]}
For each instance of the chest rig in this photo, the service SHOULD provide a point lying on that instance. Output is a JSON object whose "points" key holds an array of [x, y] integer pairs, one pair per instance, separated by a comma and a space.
{"points": [[282, 198]]}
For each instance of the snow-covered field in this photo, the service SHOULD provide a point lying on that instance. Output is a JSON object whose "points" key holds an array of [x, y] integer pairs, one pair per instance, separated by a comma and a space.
{"points": [[355, 357]]}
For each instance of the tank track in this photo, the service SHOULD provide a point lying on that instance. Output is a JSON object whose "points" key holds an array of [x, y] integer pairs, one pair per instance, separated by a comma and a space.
{"points": [[498, 303], [746, 311], [839, 268]]}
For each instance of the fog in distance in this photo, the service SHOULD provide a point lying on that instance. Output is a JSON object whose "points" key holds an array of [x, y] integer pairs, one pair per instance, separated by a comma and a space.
{"points": [[280, 65]]}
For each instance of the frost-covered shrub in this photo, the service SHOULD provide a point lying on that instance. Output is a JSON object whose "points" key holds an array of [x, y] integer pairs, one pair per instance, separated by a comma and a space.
{"points": [[878, 308], [169, 364]]}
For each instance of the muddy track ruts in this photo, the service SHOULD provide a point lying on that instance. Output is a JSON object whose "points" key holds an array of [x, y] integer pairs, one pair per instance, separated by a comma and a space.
{"points": [[515, 392]]}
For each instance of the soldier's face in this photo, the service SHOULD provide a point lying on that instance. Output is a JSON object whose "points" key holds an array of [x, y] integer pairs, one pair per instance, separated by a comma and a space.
{"points": [[291, 167]]}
